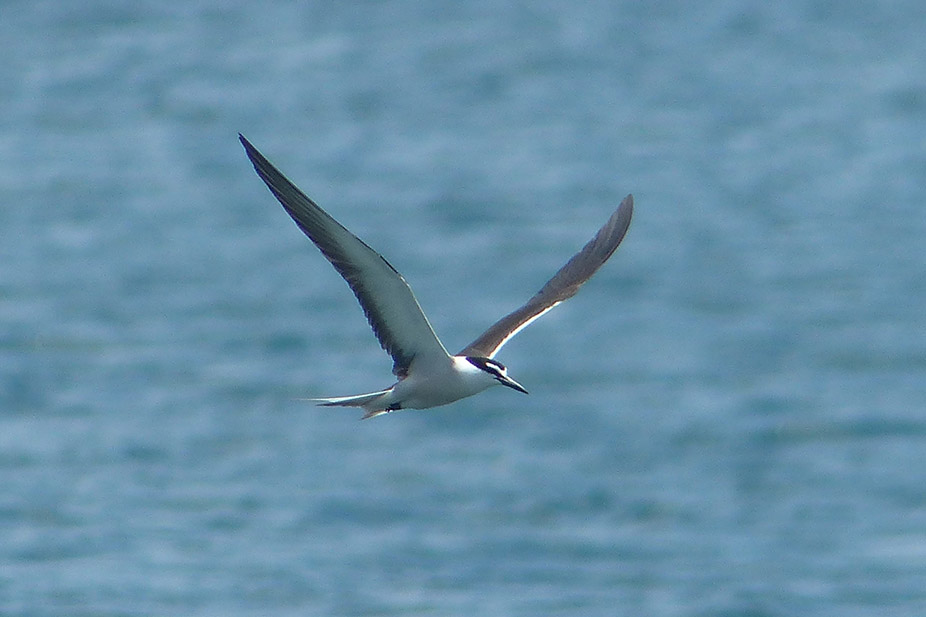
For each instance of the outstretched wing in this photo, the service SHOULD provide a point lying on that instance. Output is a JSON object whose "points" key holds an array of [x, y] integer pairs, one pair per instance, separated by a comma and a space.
{"points": [[387, 300], [562, 286]]}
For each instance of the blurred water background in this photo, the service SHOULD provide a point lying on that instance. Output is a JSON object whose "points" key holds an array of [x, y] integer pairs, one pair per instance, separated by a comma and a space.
{"points": [[728, 420]]}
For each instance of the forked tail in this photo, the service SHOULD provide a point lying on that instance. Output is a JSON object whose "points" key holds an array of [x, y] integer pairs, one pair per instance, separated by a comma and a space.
{"points": [[358, 400], [373, 403]]}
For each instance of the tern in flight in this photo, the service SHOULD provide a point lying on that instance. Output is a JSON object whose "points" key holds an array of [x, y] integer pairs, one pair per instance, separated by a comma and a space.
{"points": [[428, 376]]}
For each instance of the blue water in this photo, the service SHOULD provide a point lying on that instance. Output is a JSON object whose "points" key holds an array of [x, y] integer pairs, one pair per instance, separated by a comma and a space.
{"points": [[730, 419]]}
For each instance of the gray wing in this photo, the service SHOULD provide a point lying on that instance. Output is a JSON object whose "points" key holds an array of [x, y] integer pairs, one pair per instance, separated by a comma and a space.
{"points": [[562, 286], [387, 300]]}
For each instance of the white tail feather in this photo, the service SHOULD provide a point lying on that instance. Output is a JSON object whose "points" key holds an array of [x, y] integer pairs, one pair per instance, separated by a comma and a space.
{"points": [[358, 400]]}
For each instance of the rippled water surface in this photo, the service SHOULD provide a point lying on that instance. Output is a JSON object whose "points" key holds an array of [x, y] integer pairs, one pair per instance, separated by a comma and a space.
{"points": [[728, 420]]}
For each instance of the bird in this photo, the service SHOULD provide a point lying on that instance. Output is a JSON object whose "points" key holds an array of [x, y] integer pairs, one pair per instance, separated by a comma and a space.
{"points": [[427, 375]]}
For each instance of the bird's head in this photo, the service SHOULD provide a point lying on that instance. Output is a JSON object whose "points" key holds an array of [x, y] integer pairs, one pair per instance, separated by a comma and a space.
{"points": [[497, 371]]}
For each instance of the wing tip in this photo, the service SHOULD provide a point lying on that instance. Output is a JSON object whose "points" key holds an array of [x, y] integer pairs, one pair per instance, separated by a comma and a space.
{"points": [[620, 222], [626, 206], [253, 153]]}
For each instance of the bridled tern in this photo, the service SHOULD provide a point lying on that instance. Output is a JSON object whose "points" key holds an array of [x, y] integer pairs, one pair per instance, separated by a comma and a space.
{"points": [[428, 376]]}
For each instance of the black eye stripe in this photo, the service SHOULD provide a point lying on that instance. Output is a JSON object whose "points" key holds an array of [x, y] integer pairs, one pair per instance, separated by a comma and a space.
{"points": [[488, 365]]}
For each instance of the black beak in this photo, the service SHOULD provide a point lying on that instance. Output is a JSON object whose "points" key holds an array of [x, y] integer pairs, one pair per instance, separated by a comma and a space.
{"points": [[511, 383]]}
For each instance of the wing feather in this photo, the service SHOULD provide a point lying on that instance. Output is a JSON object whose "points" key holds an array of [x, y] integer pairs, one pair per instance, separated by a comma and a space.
{"points": [[387, 300], [564, 284]]}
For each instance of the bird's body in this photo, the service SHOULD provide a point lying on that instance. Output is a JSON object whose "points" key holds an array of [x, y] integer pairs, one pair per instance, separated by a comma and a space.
{"points": [[429, 385], [428, 376]]}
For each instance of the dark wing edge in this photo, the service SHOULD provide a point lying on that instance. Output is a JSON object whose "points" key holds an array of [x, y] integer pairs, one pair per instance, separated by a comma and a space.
{"points": [[324, 230], [564, 284]]}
